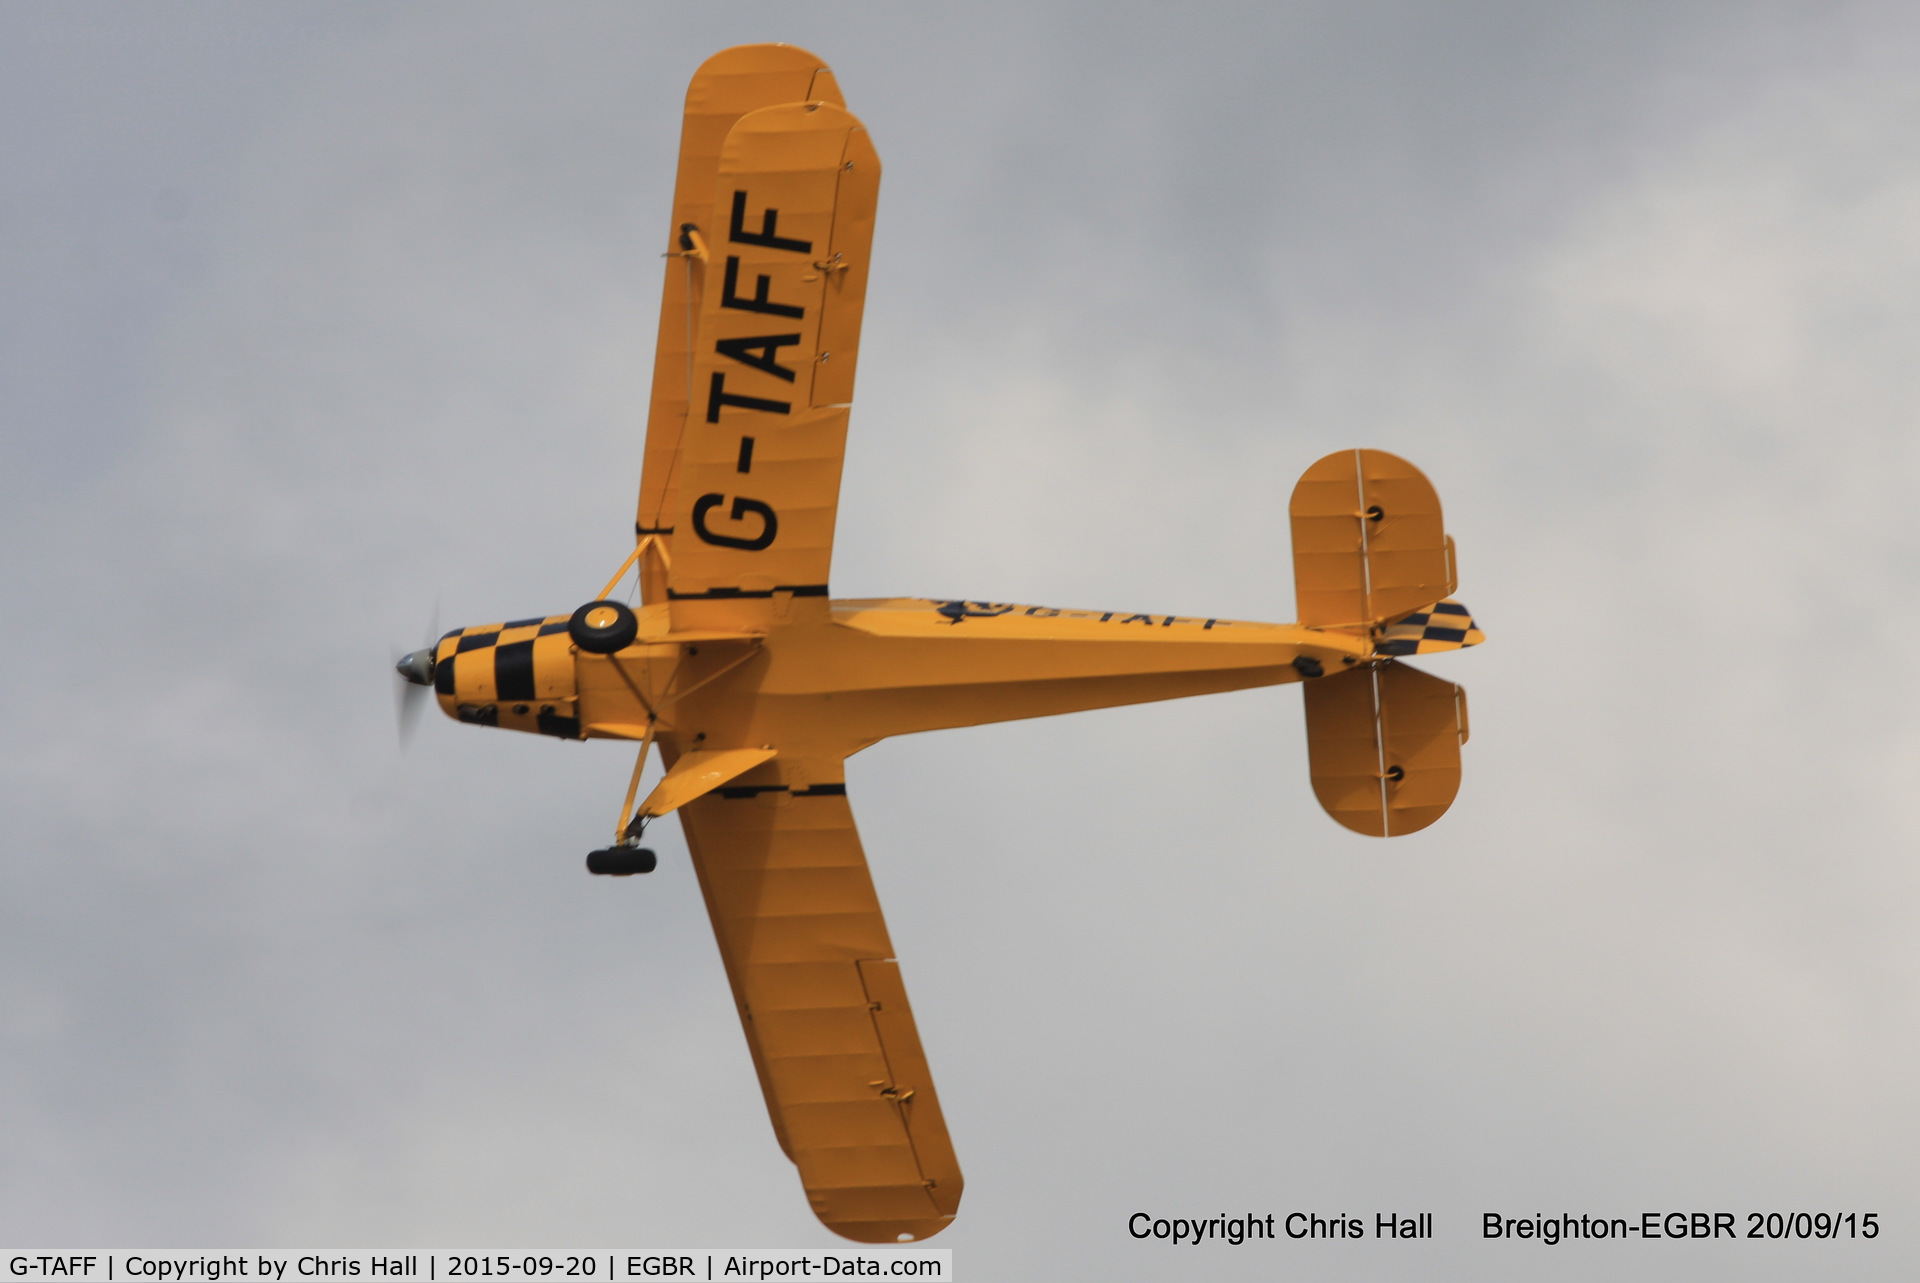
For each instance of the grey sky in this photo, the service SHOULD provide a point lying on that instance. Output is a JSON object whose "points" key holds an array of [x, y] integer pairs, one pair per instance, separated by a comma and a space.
{"points": [[311, 316]]}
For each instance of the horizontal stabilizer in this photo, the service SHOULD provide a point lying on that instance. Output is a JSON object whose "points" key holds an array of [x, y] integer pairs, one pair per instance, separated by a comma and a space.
{"points": [[1369, 542], [1445, 625], [1383, 744]]}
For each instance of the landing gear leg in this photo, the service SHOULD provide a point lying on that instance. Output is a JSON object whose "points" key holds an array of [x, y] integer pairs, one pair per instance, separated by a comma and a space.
{"points": [[627, 857]]}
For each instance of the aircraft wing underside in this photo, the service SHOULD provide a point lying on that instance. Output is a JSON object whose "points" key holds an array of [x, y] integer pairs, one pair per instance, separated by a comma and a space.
{"points": [[726, 87], [749, 423], [821, 1000]]}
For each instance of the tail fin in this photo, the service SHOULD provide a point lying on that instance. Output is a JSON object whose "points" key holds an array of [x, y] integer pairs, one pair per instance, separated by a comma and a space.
{"points": [[1383, 745], [1445, 625], [1369, 543]]}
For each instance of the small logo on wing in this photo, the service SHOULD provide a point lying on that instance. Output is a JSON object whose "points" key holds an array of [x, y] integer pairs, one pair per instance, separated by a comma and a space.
{"points": [[955, 611]]}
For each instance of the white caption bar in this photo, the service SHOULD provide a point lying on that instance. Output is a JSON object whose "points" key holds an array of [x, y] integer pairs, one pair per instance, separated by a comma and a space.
{"points": [[574, 1265]]}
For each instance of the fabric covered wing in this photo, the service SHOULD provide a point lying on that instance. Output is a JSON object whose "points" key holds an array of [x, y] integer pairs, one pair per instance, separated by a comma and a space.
{"points": [[728, 85], [779, 330], [822, 1004]]}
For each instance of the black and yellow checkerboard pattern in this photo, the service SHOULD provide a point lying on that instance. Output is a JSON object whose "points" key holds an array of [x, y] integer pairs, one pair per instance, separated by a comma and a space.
{"points": [[1445, 625], [517, 675]]}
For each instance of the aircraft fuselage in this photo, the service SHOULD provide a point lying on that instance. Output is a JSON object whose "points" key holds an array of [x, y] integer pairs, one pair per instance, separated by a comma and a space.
{"points": [[832, 677]]}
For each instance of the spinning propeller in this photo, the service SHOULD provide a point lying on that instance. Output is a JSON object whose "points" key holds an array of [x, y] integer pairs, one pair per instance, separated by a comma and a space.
{"points": [[415, 671]]}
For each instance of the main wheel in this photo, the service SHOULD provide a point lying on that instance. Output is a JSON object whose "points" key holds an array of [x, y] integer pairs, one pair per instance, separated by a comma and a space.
{"points": [[602, 627], [621, 861]]}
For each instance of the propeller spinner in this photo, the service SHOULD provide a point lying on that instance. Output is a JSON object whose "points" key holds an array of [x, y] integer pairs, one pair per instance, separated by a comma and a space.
{"points": [[415, 669]]}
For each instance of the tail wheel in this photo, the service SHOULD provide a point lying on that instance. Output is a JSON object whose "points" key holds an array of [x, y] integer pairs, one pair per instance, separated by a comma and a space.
{"points": [[602, 627]]}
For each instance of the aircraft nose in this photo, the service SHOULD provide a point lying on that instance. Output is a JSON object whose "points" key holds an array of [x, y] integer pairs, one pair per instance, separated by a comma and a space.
{"points": [[416, 667]]}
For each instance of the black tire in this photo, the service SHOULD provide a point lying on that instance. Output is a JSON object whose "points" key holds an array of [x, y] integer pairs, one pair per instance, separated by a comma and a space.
{"points": [[602, 627], [621, 861]]}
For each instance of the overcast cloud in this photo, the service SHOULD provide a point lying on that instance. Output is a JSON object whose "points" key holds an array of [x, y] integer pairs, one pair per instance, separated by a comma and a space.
{"points": [[312, 316]]}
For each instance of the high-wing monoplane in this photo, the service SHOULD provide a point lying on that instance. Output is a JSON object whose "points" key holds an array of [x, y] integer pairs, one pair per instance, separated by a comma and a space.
{"points": [[756, 686]]}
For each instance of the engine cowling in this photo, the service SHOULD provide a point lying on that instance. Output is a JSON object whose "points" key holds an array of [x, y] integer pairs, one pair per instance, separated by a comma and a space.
{"points": [[518, 675]]}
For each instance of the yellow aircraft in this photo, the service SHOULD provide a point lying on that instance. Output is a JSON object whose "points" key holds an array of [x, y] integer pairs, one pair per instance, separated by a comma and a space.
{"points": [[756, 686]]}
